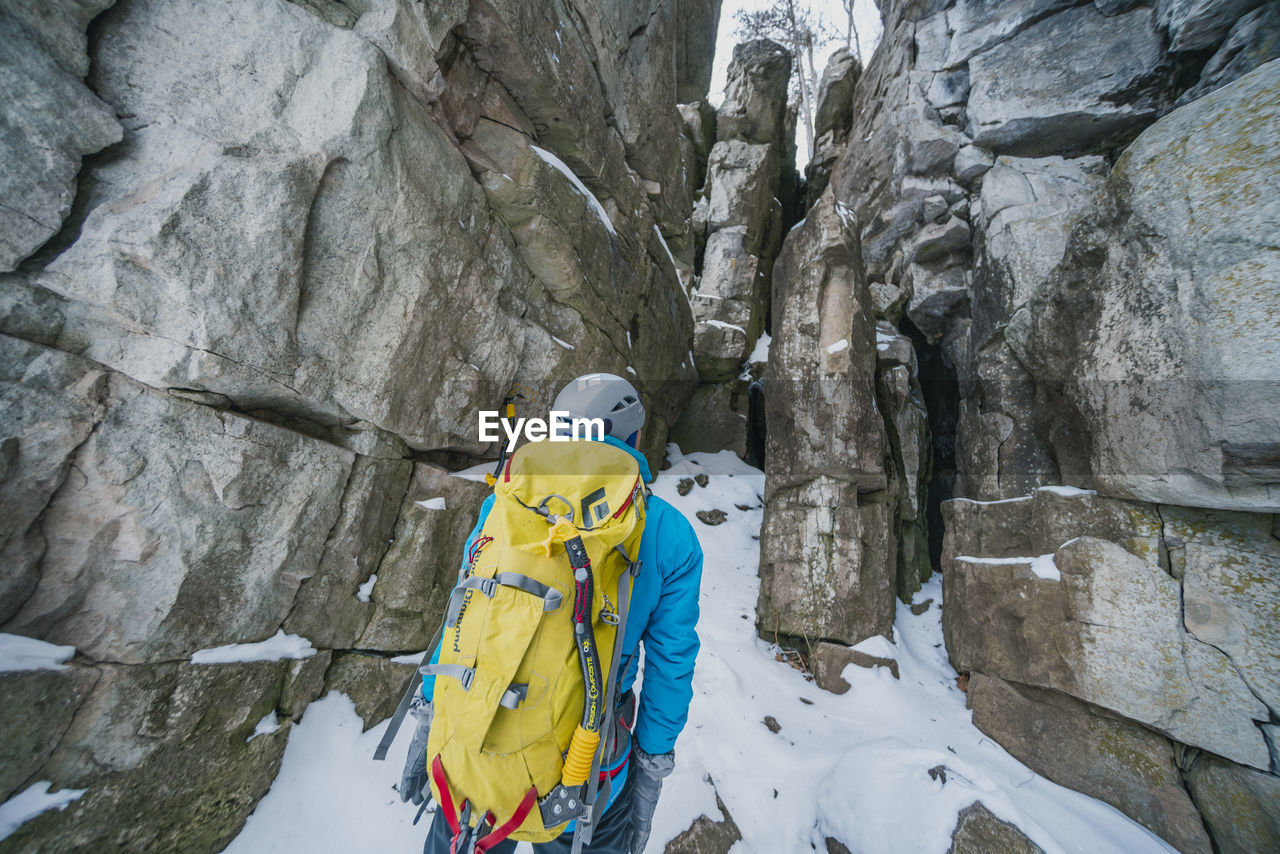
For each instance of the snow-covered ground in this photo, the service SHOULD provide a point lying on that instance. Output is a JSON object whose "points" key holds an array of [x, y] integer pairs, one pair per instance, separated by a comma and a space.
{"points": [[854, 766]]}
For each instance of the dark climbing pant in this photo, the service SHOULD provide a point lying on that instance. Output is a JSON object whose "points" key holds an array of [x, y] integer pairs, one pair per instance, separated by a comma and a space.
{"points": [[610, 835]]}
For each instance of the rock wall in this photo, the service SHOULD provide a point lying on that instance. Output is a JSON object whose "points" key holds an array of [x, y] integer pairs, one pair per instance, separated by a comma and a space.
{"points": [[1046, 238], [739, 213], [262, 264]]}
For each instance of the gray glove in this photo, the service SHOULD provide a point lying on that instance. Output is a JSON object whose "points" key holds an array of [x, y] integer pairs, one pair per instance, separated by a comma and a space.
{"points": [[649, 772], [415, 777]]}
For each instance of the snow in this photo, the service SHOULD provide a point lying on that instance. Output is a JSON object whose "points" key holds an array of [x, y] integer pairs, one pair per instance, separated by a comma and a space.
{"points": [[884, 342], [414, 658], [19, 652], [997, 501], [432, 503], [562, 343], [32, 801], [274, 648], [628, 339], [329, 796], [560, 166], [1067, 490], [838, 347], [269, 723], [720, 324], [761, 351], [476, 473], [365, 591], [1042, 565], [877, 645], [631, 370], [663, 241], [853, 766]]}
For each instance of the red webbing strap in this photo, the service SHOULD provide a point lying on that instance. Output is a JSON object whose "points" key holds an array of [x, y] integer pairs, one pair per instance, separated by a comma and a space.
{"points": [[446, 796], [509, 827]]}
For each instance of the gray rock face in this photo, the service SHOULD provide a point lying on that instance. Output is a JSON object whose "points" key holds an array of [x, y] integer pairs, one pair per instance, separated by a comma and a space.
{"points": [[716, 419], [50, 121], [827, 553], [1229, 564], [742, 215], [1197, 24], [1253, 40], [1174, 408], [834, 98], [1241, 806], [324, 236], [1109, 629], [166, 745], [127, 577], [1068, 84], [1106, 757], [755, 97]]}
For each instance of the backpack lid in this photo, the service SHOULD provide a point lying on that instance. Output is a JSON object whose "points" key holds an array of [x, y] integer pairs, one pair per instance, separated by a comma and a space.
{"points": [[593, 482]]}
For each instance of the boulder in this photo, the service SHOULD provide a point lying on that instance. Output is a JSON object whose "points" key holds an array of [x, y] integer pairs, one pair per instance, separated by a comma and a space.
{"points": [[834, 98], [707, 836], [1158, 331], [1241, 807], [696, 34], [126, 575], [1253, 40], [828, 562], [374, 684], [979, 831], [972, 27], [1107, 630], [1074, 82], [36, 709], [743, 182], [755, 96], [821, 371], [422, 562], [827, 549], [327, 609], [830, 660], [1199, 24], [51, 120], [51, 404], [1083, 748], [1229, 565], [1025, 213], [715, 420], [168, 756]]}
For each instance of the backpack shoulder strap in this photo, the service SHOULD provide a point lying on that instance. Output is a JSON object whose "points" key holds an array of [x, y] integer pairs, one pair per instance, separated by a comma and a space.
{"points": [[583, 830]]}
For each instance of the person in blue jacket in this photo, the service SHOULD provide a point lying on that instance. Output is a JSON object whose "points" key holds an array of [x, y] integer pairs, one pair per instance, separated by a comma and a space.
{"points": [[663, 616]]}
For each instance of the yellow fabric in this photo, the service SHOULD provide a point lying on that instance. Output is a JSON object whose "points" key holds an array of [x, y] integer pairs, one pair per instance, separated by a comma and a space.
{"points": [[492, 754]]}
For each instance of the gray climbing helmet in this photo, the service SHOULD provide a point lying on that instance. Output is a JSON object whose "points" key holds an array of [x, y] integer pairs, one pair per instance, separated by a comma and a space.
{"points": [[606, 396]]}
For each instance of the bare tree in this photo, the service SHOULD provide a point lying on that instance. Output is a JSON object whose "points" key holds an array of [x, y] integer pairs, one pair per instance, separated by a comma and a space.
{"points": [[851, 39], [795, 25]]}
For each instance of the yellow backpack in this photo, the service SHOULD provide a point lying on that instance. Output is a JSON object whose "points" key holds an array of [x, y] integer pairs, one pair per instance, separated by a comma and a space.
{"points": [[521, 695]]}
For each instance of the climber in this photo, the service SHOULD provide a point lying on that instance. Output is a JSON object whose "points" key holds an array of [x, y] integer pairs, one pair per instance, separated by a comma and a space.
{"points": [[663, 615]]}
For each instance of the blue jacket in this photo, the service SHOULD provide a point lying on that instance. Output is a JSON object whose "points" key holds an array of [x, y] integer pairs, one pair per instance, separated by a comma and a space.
{"points": [[663, 613]]}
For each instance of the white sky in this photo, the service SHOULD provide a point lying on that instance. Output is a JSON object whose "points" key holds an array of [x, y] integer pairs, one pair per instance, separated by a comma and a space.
{"points": [[866, 16]]}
